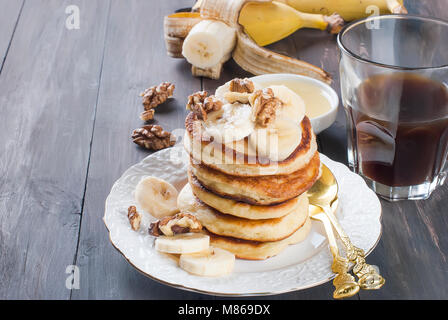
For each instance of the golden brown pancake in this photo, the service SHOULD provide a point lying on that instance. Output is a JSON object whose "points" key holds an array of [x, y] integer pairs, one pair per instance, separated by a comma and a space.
{"points": [[231, 226], [262, 190], [238, 208], [236, 158], [253, 250]]}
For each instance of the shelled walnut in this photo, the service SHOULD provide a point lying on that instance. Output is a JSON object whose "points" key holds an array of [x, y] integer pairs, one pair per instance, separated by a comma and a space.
{"points": [[147, 115], [153, 137], [201, 105], [172, 225], [241, 85], [156, 95], [239, 90], [134, 218], [264, 106]]}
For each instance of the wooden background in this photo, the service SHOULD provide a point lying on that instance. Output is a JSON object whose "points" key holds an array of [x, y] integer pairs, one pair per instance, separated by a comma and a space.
{"points": [[69, 100]]}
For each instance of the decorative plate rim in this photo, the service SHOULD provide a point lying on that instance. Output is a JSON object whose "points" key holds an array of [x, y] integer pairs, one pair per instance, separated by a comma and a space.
{"points": [[230, 294]]}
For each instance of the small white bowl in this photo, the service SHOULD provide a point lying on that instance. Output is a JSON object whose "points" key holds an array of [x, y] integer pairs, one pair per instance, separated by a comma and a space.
{"points": [[321, 122]]}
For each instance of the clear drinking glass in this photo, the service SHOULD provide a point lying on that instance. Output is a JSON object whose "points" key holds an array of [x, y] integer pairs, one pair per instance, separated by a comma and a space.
{"points": [[394, 74]]}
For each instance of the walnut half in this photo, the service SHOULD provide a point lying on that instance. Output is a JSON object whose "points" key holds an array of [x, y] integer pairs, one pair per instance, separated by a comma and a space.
{"points": [[201, 105], [156, 95], [153, 137], [264, 106], [134, 218], [239, 90], [172, 225], [242, 85], [147, 115]]}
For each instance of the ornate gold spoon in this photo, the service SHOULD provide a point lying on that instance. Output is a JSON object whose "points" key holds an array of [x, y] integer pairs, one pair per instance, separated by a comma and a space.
{"points": [[323, 193], [344, 283]]}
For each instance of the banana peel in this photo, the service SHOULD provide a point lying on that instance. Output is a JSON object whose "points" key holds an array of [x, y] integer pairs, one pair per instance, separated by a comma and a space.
{"points": [[176, 28], [247, 54]]}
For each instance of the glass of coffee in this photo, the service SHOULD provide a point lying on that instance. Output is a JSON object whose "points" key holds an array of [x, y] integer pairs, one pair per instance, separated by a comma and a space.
{"points": [[394, 76]]}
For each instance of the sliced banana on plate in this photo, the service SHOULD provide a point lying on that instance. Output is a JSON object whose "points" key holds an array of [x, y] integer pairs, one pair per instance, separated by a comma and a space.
{"points": [[157, 197], [212, 262], [230, 123], [183, 243]]}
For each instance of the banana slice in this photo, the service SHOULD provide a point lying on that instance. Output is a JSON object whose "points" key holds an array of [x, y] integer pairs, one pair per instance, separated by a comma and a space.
{"points": [[212, 262], [222, 90], [208, 42], [157, 197], [281, 138], [183, 243], [293, 105], [278, 140], [230, 123]]}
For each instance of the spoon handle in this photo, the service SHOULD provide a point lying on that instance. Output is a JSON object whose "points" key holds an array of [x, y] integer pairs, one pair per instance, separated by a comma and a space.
{"points": [[344, 283], [369, 278]]}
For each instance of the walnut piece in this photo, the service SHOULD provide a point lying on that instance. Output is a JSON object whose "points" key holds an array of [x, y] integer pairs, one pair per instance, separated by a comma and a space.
{"points": [[134, 218], [242, 85], [172, 225], [264, 106], [154, 229], [212, 104], [241, 97], [147, 115], [156, 95], [153, 137], [201, 105], [195, 104]]}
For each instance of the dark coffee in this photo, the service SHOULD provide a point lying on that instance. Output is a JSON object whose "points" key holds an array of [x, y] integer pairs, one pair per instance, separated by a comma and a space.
{"points": [[401, 123]]}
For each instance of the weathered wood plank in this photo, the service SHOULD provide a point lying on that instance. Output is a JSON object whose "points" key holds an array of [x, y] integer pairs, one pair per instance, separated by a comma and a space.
{"points": [[320, 49], [422, 244], [412, 253], [48, 91], [413, 240], [9, 16], [135, 58], [39, 88], [416, 234], [413, 250]]}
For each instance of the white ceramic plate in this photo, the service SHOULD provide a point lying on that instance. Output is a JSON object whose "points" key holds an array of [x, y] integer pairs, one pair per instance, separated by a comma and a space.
{"points": [[300, 266]]}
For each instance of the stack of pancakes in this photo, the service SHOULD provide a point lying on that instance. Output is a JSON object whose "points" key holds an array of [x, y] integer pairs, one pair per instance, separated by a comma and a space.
{"points": [[249, 205]]}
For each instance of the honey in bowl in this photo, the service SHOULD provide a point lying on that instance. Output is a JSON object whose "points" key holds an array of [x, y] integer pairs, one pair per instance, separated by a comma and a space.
{"points": [[316, 100]]}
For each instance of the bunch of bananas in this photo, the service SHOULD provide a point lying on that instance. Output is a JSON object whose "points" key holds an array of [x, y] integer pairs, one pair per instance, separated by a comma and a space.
{"points": [[221, 29]]}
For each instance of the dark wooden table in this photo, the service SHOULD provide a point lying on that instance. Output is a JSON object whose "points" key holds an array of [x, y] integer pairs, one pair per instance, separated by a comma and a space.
{"points": [[69, 100]]}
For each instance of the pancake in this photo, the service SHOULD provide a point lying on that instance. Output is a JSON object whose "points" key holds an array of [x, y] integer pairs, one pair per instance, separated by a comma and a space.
{"points": [[230, 226], [253, 250], [238, 208], [262, 190], [238, 158]]}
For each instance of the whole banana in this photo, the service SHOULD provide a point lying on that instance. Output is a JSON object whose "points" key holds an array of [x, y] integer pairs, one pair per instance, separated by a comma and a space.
{"points": [[348, 9]]}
